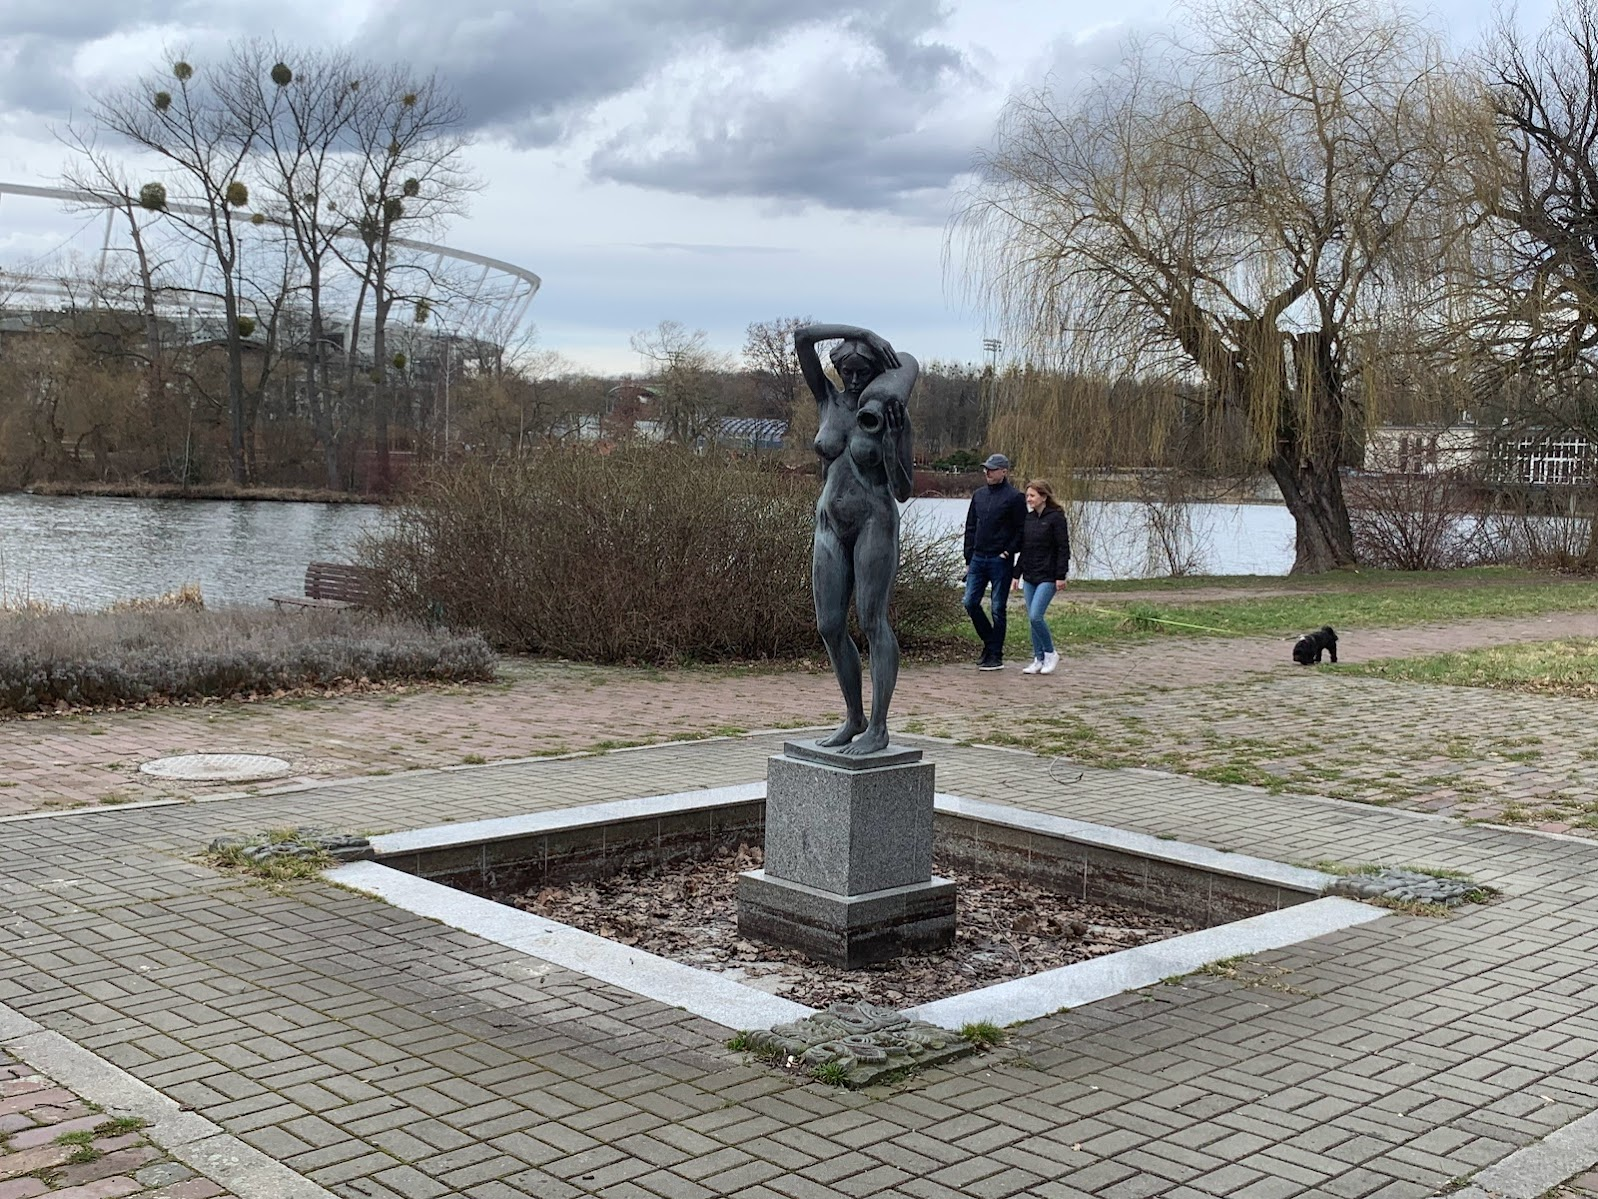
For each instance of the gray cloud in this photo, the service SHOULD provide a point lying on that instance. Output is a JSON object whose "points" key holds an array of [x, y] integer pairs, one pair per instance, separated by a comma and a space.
{"points": [[530, 72], [872, 131], [40, 38], [35, 74], [534, 75], [897, 33], [86, 20], [739, 119], [773, 155]]}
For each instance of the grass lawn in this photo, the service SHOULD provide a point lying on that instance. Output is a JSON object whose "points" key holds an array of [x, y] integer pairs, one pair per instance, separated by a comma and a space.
{"points": [[1379, 599], [1357, 579], [1566, 667]]}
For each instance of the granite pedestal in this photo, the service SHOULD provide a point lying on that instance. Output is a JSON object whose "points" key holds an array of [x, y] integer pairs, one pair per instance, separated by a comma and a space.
{"points": [[848, 868]]}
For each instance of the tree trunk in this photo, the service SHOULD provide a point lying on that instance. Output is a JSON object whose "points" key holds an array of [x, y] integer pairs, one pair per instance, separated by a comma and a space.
{"points": [[1307, 463], [252, 407], [380, 473], [1323, 539], [235, 389], [1589, 558], [320, 422], [380, 476], [154, 378]]}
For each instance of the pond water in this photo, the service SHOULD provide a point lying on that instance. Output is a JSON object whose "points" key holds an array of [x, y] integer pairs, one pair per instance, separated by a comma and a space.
{"points": [[1113, 540], [90, 551]]}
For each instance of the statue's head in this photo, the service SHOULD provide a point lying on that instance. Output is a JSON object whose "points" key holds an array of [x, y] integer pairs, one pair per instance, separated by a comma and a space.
{"points": [[857, 364]]}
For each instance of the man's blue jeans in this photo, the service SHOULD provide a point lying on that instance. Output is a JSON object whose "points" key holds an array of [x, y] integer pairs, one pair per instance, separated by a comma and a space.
{"points": [[982, 570], [1037, 597]]}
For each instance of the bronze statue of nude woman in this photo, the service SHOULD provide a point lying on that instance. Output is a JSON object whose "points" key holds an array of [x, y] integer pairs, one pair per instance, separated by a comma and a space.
{"points": [[864, 444]]}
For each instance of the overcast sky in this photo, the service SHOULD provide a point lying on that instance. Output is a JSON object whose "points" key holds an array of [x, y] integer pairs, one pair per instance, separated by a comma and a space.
{"points": [[713, 162]]}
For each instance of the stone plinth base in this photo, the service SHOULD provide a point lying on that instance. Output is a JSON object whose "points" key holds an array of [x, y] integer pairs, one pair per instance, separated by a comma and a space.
{"points": [[847, 930], [848, 825], [848, 867]]}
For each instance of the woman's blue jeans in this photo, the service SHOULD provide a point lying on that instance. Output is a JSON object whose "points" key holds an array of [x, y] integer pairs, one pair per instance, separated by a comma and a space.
{"points": [[1037, 597]]}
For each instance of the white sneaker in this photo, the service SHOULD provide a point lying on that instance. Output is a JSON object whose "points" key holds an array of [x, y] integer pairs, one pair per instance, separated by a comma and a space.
{"points": [[1033, 667], [1050, 661]]}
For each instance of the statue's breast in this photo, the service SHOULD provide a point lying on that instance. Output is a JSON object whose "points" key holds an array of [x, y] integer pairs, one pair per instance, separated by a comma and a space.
{"points": [[832, 438]]}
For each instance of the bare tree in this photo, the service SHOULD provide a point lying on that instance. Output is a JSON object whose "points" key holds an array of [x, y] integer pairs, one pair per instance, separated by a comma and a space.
{"points": [[683, 372], [96, 174], [197, 124], [269, 295], [1234, 216], [408, 172], [305, 107], [951, 408], [770, 357]]}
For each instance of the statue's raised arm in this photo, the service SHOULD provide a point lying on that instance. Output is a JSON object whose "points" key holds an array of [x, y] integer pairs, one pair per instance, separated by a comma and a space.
{"points": [[804, 343]]}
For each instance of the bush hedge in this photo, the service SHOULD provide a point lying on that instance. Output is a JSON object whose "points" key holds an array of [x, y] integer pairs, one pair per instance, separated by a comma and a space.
{"points": [[117, 658], [643, 554]]}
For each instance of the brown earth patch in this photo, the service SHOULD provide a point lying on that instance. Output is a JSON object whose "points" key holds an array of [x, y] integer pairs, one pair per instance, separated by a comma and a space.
{"points": [[1005, 929]]}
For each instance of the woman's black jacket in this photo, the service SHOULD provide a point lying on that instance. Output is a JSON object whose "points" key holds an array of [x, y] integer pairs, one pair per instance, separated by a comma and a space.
{"points": [[1045, 546]]}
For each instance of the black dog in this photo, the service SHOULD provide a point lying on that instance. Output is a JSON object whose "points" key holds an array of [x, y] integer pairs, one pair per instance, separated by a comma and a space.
{"points": [[1307, 649]]}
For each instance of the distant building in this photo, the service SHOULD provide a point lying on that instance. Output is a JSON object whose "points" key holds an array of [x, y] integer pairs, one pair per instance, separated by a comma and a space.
{"points": [[629, 415], [1456, 449], [749, 433], [1539, 459], [1503, 455]]}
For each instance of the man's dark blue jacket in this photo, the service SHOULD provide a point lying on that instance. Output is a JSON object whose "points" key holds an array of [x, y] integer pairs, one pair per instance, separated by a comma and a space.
{"points": [[995, 521]]}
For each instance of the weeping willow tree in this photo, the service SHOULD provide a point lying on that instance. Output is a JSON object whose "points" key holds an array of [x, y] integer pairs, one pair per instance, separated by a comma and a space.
{"points": [[1530, 340], [1227, 222]]}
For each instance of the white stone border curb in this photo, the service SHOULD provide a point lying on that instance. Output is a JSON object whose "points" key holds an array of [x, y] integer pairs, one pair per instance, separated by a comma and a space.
{"points": [[736, 1005], [1144, 965], [713, 996], [1540, 1167]]}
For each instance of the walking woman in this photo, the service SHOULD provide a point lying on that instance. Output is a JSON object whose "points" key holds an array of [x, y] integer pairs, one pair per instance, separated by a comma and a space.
{"points": [[1045, 559]]}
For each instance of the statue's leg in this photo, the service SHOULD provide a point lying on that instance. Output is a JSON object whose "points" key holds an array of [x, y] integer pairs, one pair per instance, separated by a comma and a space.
{"points": [[876, 561], [831, 580]]}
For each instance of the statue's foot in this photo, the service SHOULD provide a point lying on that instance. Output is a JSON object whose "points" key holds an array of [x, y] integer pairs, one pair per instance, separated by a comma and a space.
{"points": [[845, 733], [868, 742]]}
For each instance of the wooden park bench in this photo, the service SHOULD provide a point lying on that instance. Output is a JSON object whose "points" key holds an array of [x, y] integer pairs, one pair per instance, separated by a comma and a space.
{"points": [[332, 586]]}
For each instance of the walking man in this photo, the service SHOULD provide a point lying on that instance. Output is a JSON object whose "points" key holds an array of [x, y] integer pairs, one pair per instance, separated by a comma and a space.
{"points": [[993, 528]]}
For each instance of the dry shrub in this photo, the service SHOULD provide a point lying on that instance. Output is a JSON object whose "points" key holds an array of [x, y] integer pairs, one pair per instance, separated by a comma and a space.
{"points": [[1522, 531], [644, 554], [1404, 521], [186, 596], [111, 659], [1165, 500], [1407, 521]]}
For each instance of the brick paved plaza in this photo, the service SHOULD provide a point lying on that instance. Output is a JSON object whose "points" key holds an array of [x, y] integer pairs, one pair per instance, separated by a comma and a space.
{"points": [[305, 1040]]}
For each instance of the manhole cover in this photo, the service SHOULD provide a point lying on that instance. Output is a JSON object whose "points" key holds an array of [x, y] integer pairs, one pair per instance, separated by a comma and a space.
{"points": [[218, 768]]}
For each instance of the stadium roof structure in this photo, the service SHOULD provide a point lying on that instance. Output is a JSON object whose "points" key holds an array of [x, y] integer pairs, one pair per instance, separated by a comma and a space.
{"points": [[470, 293]]}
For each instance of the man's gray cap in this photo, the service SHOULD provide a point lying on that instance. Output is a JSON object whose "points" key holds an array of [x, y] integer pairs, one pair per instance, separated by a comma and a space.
{"points": [[996, 462]]}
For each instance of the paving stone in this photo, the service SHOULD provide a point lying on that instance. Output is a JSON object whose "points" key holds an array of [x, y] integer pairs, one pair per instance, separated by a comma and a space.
{"points": [[746, 1176], [675, 1186], [1410, 1053], [99, 1188]]}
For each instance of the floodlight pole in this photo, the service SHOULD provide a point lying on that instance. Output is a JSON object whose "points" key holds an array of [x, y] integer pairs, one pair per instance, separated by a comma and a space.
{"points": [[991, 347]]}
